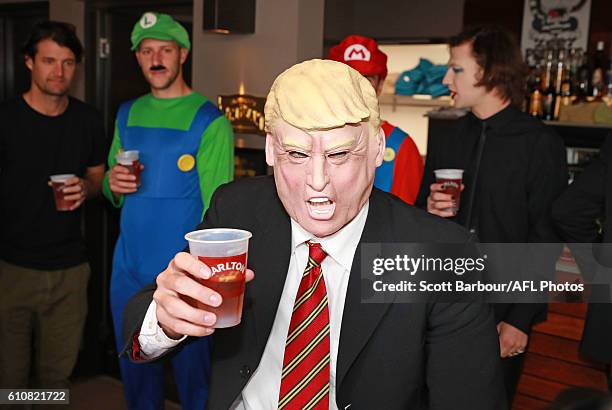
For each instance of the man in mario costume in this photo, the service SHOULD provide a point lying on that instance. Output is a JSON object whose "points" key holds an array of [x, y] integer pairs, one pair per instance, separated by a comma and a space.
{"points": [[402, 168]]}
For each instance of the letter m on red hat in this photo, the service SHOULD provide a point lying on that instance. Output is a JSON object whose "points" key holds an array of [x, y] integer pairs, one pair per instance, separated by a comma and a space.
{"points": [[357, 52]]}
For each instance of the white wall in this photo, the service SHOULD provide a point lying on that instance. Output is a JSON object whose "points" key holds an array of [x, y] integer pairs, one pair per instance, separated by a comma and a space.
{"points": [[403, 57], [286, 32]]}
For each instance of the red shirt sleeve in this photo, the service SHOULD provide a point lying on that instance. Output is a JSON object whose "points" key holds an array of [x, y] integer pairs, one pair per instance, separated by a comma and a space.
{"points": [[407, 171]]}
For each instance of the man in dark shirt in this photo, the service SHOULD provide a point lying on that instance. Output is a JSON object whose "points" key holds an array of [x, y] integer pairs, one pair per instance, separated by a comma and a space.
{"points": [[514, 167], [43, 265]]}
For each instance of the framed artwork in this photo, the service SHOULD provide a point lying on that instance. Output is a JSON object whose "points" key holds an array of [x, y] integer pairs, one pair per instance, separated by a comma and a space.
{"points": [[561, 23]]}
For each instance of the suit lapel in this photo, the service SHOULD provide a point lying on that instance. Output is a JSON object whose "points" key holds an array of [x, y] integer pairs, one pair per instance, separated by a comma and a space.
{"points": [[270, 256], [360, 319], [270, 259]]}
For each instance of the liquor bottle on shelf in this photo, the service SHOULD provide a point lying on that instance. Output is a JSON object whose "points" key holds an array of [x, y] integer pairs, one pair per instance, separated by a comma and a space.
{"points": [[600, 68], [562, 83], [561, 70], [583, 80], [567, 98], [549, 94], [534, 95], [535, 103], [609, 81], [569, 83], [574, 61]]}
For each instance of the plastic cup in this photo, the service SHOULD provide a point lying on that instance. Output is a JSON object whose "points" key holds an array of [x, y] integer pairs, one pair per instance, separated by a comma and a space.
{"points": [[130, 160], [451, 180], [57, 184], [225, 251]]}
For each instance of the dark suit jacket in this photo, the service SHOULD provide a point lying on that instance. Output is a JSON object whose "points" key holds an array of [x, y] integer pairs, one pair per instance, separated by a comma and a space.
{"points": [[391, 356], [583, 214], [522, 171]]}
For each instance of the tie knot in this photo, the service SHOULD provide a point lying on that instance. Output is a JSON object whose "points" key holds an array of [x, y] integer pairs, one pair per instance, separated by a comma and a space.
{"points": [[315, 252]]}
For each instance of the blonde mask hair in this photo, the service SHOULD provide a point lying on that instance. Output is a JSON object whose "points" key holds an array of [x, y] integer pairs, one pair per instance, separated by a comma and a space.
{"points": [[322, 94]]}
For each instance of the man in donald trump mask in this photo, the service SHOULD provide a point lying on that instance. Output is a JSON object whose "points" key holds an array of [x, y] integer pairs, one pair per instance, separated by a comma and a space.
{"points": [[306, 340]]}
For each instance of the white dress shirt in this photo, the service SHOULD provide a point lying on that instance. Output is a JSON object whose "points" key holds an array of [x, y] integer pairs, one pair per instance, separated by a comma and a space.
{"points": [[262, 390]]}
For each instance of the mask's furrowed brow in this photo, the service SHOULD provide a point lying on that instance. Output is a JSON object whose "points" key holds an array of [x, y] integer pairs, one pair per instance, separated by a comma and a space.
{"points": [[289, 143], [350, 143]]}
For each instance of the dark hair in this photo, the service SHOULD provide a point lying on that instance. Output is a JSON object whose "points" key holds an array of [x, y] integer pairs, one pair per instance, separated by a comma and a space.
{"points": [[63, 34], [500, 58]]}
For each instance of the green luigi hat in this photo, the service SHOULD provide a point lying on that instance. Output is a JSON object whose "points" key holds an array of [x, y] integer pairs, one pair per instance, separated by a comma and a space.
{"points": [[161, 27]]}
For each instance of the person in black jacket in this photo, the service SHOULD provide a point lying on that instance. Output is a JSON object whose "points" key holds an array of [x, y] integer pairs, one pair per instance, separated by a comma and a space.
{"points": [[514, 167], [583, 217], [324, 142]]}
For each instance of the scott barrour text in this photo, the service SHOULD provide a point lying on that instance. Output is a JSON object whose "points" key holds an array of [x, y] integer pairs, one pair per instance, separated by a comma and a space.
{"points": [[478, 286]]}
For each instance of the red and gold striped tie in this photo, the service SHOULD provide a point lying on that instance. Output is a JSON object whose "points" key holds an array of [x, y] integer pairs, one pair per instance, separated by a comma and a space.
{"points": [[305, 377]]}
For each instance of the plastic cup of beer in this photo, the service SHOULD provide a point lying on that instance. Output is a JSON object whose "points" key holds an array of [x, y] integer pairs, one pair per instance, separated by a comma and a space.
{"points": [[57, 184], [225, 251], [130, 160], [451, 180]]}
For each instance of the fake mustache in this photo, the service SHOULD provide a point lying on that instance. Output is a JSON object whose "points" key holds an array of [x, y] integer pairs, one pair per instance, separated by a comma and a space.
{"points": [[157, 68]]}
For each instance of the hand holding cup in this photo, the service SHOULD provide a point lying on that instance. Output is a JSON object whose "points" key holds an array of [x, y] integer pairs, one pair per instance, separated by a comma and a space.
{"points": [[225, 252], [445, 193], [69, 191], [124, 178], [189, 301], [75, 190]]}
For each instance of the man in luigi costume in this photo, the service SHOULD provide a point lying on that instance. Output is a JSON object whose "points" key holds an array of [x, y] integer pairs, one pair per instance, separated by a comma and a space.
{"points": [[186, 151]]}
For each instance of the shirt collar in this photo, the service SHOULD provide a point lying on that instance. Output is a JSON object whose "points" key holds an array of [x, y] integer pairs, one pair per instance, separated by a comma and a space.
{"points": [[340, 246], [500, 119]]}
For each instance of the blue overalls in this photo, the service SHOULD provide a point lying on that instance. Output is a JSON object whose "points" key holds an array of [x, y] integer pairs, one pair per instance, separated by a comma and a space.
{"points": [[154, 220], [383, 178]]}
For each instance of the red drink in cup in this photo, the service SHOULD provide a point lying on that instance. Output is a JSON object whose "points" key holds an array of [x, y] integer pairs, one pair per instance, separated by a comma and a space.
{"points": [[57, 183], [225, 252], [228, 280], [130, 160], [451, 178]]}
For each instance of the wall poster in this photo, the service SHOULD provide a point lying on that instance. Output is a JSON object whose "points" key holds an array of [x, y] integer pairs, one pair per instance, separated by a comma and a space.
{"points": [[562, 23]]}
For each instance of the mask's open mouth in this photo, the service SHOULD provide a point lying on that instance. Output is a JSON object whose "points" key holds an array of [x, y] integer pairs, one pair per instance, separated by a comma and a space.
{"points": [[321, 207]]}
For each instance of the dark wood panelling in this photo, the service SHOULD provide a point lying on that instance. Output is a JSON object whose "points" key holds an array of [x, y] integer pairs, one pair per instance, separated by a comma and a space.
{"points": [[559, 348], [577, 310], [522, 402], [561, 325], [553, 363], [561, 371], [539, 388]]}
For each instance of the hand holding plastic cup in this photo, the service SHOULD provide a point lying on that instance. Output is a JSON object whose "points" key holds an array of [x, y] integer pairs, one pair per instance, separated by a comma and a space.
{"points": [[225, 251], [130, 160], [57, 184], [451, 180]]}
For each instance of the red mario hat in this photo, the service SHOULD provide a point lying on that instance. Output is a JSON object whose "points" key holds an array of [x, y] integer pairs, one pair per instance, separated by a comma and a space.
{"points": [[362, 54]]}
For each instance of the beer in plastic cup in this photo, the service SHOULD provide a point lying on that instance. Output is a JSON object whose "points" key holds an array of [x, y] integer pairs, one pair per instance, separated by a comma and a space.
{"points": [[225, 251], [57, 183], [130, 160], [451, 178]]}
